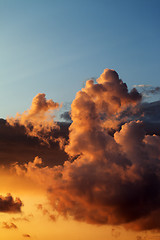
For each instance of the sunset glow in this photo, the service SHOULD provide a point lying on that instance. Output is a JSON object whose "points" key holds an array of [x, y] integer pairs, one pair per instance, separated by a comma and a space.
{"points": [[80, 120]]}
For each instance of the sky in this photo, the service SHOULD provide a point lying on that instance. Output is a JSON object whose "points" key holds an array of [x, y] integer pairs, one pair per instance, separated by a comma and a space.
{"points": [[53, 47], [79, 119]]}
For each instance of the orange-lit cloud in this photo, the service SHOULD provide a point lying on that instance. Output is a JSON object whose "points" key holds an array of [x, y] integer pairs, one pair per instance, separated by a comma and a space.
{"points": [[39, 119], [99, 106], [111, 178], [16, 146]]}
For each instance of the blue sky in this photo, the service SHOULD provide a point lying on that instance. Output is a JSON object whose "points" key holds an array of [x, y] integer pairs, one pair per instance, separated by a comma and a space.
{"points": [[53, 47]]}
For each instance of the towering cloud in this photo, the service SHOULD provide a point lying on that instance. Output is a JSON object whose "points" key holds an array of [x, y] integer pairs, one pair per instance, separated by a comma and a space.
{"points": [[38, 120], [110, 178]]}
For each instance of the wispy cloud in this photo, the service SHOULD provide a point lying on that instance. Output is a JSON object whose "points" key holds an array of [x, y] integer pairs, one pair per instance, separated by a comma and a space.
{"points": [[148, 90]]}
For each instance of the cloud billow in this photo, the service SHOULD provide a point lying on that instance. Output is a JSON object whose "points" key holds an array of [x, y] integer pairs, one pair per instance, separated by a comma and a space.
{"points": [[39, 119], [111, 179]]}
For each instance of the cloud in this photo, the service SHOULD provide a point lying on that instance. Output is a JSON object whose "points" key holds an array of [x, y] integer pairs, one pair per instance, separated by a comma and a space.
{"points": [[142, 85], [39, 119], [9, 225], [17, 219], [8, 204], [16, 146], [147, 90], [116, 232], [47, 212], [66, 116], [155, 90], [26, 235], [96, 108], [110, 178]]}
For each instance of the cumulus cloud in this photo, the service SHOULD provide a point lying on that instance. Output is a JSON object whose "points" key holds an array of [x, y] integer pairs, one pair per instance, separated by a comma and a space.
{"points": [[39, 119], [96, 108], [140, 238], [8, 204], [110, 178]]}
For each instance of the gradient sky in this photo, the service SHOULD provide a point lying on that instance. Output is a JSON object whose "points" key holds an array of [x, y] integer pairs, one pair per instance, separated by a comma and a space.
{"points": [[55, 46], [110, 189]]}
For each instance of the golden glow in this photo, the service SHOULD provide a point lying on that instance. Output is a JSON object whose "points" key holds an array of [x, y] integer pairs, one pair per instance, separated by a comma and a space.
{"points": [[32, 222]]}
